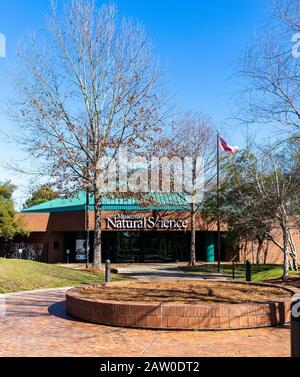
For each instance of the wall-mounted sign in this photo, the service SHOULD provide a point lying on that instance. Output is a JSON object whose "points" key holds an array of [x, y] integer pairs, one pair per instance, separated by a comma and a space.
{"points": [[138, 222]]}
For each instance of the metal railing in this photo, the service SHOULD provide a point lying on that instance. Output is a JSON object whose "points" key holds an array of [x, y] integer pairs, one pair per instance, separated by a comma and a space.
{"points": [[32, 252]]}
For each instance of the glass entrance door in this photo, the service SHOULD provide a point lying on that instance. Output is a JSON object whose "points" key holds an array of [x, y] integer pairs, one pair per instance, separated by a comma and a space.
{"points": [[146, 247]]}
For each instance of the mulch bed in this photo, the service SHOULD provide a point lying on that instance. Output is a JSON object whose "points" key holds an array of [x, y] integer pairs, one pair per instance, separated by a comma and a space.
{"points": [[185, 292], [294, 281]]}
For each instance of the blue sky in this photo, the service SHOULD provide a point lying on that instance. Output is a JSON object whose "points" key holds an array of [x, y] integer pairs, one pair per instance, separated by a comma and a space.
{"points": [[198, 40]]}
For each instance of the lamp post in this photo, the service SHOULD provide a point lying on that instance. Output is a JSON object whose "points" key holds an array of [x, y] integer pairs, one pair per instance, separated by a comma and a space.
{"points": [[107, 271], [89, 144], [20, 252]]}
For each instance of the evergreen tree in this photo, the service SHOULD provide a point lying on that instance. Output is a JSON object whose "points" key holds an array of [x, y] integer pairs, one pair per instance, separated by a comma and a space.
{"points": [[10, 226], [43, 194]]}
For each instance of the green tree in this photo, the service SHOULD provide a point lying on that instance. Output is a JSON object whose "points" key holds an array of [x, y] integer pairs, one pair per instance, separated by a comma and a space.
{"points": [[10, 225], [43, 194], [240, 208], [260, 194]]}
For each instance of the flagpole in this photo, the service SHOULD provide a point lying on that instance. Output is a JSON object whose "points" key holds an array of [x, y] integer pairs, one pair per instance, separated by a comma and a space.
{"points": [[87, 227], [87, 210], [218, 203]]}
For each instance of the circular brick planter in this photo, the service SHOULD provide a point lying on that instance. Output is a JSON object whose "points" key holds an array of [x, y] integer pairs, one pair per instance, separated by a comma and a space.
{"points": [[204, 316]]}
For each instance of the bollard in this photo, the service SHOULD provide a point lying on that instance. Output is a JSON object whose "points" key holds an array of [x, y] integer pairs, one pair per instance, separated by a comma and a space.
{"points": [[20, 251], [68, 256], [248, 271], [295, 326], [107, 271]]}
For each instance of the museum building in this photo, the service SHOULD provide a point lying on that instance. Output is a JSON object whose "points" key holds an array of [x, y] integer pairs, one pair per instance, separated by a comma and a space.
{"points": [[159, 232], [132, 232]]}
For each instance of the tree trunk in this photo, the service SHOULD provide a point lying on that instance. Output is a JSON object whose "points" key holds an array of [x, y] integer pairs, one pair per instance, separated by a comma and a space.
{"points": [[266, 252], [285, 236], [87, 228], [245, 248], [193, 237], [293, 252], [259, 249], [252, 252], [285, 276], [98, 233]]}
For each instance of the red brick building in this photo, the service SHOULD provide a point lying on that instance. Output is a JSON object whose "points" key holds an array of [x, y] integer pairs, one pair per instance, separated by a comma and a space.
{"points": [[131, 233]]}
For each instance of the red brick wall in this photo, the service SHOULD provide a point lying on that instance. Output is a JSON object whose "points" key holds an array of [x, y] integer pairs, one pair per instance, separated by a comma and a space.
{"points": [[50, 254], [55, 255], [275, 254], [75, 221], [48, 228]]}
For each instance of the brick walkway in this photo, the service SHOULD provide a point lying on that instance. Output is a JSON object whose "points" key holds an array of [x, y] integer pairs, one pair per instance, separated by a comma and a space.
{"points": [[152, 271], [36, 325]]}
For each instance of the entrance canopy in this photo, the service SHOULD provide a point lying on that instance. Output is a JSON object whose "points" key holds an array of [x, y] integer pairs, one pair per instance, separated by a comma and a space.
{"points": [[154, 202]]}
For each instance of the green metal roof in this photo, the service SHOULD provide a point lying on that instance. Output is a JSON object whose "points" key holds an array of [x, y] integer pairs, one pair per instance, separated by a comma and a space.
{"points": [[159, 202]]}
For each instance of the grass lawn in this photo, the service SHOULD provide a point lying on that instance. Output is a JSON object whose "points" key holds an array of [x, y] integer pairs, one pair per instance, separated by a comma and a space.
{"points": [[260, 272], [22, 275]]}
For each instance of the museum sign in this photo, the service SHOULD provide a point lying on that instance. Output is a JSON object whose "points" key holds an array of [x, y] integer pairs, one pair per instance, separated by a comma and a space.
{"points": [[125, 222]]}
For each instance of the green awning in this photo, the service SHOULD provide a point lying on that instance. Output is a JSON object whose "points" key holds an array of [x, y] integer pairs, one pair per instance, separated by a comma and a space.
{"points": [[156, 202]]}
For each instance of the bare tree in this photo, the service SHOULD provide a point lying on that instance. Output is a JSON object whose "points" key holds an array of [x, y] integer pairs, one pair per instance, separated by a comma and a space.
{"points": [[272, 175], [260, 202], [89, 89], [271, 71], [192, 137]]}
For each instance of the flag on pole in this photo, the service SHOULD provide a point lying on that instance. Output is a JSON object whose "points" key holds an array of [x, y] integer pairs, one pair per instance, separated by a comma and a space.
{"points": [[228, 148]]}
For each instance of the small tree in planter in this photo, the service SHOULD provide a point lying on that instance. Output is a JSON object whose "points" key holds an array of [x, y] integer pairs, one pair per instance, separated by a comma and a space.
{"points": [[192, 138]]}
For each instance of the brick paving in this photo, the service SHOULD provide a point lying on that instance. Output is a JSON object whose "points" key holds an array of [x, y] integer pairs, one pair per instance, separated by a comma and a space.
{"points": [[152, 271], [36, 325]]}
